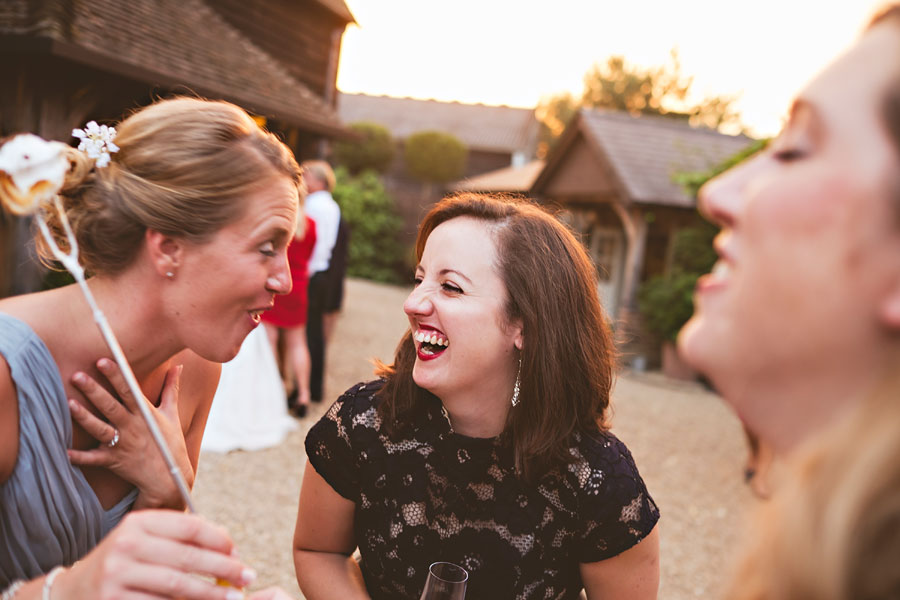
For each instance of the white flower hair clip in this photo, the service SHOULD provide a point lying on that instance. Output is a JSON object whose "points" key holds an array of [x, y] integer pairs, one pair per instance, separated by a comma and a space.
{"points": [[97, 142]]}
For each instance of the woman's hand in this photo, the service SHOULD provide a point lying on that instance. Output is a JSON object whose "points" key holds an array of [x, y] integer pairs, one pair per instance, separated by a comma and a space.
{"points": [[159, 554], [133, 456]]}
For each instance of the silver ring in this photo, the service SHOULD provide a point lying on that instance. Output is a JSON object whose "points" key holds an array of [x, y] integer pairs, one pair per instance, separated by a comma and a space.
{"points": [[115, 440]]}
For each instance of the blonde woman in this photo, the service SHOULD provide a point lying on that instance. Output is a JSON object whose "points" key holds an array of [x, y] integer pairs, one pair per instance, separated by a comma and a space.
{"points": [[798, 327], [184, 234]]}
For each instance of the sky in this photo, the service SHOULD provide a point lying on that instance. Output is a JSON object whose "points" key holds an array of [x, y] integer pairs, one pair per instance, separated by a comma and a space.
{"points": [[515, 52]]}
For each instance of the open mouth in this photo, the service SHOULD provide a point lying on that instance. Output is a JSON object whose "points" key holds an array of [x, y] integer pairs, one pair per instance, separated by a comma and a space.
{"points": [[430, 343]]}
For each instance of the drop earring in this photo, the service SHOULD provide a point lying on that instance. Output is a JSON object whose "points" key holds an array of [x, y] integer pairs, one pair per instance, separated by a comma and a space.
{"points": [[517, 386]]}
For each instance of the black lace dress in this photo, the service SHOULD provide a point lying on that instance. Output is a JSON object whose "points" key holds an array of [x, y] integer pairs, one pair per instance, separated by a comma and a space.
{"points": [[441, 496]]}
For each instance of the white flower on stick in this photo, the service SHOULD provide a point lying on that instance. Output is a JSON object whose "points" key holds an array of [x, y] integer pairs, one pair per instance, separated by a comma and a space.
{"points": [[97, 142], [32, 171]]}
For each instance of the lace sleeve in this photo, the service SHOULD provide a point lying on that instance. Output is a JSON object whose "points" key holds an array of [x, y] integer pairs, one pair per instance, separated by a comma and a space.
{"points": [[615, 508], [329, 444]]}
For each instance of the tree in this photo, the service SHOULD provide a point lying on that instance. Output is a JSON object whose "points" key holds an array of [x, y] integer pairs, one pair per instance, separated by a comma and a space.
{"points": [[618, 85], [374, 150], [435, 156], [553, 114]]}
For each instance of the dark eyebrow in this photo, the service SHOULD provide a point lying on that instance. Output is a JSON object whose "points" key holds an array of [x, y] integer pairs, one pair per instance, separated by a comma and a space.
{"points": [[446, 271]]}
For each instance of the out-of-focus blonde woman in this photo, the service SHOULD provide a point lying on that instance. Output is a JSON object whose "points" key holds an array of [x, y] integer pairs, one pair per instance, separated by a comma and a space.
{"points": [[799, 328]]}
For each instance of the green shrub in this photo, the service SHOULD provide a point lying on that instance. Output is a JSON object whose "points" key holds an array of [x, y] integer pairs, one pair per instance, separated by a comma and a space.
{"points": [[375, 150], [375, 227], [435, 156], [692, 249], [667, 301]]}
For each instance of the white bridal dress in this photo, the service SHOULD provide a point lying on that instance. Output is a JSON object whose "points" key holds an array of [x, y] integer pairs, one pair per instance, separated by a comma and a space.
{"points": [[249, 410]]}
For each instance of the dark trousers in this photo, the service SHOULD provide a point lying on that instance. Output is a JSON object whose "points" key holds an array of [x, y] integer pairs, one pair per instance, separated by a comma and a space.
{"points": [[315, 338]]}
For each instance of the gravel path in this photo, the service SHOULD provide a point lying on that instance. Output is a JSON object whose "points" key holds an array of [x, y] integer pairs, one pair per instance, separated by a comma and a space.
{"points": [[687, 444]]}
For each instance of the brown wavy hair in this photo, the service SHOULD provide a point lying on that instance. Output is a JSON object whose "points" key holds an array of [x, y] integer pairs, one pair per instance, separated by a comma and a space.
{"points": [[833, 531], [184, 168], [567, 357]]}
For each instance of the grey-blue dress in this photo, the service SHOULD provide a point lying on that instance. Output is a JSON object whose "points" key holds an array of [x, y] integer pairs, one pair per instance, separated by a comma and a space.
{"points": [[49, 515]]}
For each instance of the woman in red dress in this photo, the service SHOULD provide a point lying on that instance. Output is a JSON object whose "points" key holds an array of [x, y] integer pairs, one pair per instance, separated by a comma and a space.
{"points": [[288, 315]]}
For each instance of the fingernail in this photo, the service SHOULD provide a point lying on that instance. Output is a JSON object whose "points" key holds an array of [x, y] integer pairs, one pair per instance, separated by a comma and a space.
{"points": [[73, 405], [79, 378], [234, 595], [248, 576], [104, 363]]}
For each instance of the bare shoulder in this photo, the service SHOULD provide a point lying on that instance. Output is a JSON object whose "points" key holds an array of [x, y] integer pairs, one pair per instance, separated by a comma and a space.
{"points": [[24, 304], [9, 422], [20, 307], [47, 313]]}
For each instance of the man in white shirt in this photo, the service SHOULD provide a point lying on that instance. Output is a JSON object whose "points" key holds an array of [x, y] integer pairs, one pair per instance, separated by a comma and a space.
{"points": [[321, 208]]}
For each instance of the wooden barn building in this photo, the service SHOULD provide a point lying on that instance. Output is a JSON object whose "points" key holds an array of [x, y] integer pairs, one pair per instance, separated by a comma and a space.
{"points": [[65, 62], [616, 177]]}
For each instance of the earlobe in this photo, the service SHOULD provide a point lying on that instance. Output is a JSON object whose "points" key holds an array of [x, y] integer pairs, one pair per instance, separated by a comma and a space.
{"points": [[165, 252], [519, 338]]}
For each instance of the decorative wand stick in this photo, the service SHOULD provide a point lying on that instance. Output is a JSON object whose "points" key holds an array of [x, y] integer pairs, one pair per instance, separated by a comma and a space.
{"points": [[32, 172]]}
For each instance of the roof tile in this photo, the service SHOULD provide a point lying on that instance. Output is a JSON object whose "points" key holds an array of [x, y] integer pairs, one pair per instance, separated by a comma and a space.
{"points": [[648, 151], [508, 179], [479, 126]]}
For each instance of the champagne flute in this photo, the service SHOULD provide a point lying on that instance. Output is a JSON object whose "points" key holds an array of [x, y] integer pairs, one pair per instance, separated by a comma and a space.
{"points": [[445, 581]]}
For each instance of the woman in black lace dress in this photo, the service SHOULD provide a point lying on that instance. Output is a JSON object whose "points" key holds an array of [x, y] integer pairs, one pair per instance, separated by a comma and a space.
{"points": [[486, 443]]}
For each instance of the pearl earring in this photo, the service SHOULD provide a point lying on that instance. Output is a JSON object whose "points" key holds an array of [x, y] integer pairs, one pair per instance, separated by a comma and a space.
{"points": [[170, 274]]}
